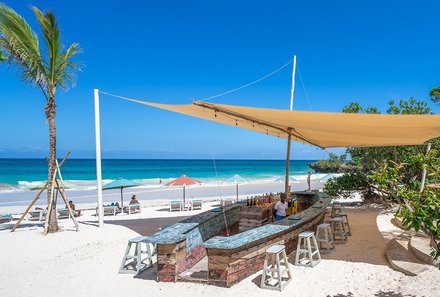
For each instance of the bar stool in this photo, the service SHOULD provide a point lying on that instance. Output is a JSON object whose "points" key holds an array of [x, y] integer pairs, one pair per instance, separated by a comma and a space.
{"points": [[339, 235], [346, 224], [135, 260], [336, 209], [324, 235], [277, 267], [307, 248]]}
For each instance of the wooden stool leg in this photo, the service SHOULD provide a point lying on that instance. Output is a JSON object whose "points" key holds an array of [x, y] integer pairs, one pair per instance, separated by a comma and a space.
{"points": [[348, 226], [138, 257], [344, 234], [309, 247], [124, 259], [298, 248], [280, 281], [289, 273], [327, 241], [317, 249], [272, 266], [332, 239], [318, 235], [263, 277], [150, 256]]}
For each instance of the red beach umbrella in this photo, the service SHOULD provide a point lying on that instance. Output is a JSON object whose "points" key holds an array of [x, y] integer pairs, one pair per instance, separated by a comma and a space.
{"points": [[183, 181]]}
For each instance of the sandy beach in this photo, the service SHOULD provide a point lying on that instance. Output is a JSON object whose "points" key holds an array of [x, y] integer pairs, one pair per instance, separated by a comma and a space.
{"points": [[16, 202], [85, 263]]}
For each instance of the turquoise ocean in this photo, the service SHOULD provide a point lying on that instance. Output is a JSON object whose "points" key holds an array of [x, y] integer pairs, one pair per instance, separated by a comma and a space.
{"points": [[80, 174]]}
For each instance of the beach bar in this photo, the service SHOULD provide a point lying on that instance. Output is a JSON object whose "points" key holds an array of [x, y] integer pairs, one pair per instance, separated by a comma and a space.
{"points": [[229, 258], [215, 236]]}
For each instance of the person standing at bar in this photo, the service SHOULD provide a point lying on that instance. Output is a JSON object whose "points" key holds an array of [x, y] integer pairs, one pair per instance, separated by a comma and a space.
{"points": [[280, 208], [309, 174]]}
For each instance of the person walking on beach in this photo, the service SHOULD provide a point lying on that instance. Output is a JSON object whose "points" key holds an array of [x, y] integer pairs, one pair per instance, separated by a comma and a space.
{"points": [[309, 174], [280, 208]]}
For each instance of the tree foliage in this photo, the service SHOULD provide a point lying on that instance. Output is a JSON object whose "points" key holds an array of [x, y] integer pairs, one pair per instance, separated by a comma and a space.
{"points": [[418, 209], [393, 174], [435, 94]]}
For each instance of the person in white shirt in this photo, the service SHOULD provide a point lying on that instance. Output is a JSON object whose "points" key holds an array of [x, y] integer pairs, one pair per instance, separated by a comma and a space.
{"points": [[280, 208]]}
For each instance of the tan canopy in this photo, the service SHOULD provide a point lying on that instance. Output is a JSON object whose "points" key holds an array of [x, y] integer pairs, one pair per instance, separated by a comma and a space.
{"points": [[323, 129]]}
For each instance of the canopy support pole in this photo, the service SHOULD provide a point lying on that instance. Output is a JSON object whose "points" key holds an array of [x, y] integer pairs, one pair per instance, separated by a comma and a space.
{"points": [[122, 199], [286, 183], [422, 184], [289, 137], [98, 159], [236, 190], [183, 196]]}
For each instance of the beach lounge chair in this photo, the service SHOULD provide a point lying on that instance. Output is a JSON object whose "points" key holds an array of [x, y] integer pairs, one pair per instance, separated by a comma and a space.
{"points": [[63, 213], [37, 215], [175, 205], [196, 204], [228, 201], [5, 218], [111, 210], [132, 208]]}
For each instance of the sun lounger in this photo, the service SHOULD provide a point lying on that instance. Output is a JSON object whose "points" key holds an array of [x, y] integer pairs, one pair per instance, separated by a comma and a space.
{"points": [[175, 205], [228, 201], [109, 210], [63, 213], [196, 204], [132, 208], [5, 218], [37, 215]]}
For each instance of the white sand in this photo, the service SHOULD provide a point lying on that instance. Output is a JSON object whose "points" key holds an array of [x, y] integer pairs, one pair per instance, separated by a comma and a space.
{"points": [[86, 263], [16, 202]]}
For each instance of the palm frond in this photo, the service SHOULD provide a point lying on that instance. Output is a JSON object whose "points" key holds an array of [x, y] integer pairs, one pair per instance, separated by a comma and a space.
{"points": [[51, 36], [22, 47], [21, 44], [61, 70], [67, 70], [3, 57]]}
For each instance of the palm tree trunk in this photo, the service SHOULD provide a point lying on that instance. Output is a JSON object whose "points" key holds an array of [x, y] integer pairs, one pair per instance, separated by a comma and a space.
{"points": [[50, 117]]}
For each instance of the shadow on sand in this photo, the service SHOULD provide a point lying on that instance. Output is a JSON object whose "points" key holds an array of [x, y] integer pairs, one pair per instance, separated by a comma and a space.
{"points": [[146, 227], [28, 226], [366, 244], [378, 294]]}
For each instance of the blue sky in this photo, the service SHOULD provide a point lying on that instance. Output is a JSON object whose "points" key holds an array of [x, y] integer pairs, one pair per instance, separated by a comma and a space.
{"points": [[177, 51]]}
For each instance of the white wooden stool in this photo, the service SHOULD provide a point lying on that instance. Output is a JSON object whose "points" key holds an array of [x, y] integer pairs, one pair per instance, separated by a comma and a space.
{"points": [[346, 224], [307, 249], [336, 209], [324, 235], [277, 268], [339, 235], [136, 260]]}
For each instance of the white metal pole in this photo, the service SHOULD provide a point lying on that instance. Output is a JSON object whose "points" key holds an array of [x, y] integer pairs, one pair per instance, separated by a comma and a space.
{"points": [[422, 184], [98, 159], [289, 138], [292, 90]]}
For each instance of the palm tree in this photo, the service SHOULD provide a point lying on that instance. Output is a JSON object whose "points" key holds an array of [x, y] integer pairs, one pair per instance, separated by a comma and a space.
{"points": [[48, 68]]}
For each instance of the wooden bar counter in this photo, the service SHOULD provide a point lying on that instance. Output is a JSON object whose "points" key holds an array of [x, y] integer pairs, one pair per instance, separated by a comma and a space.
{"points": [[255, 216]]}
